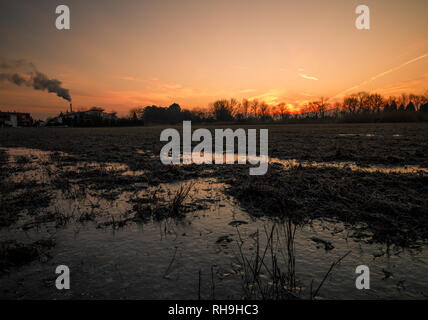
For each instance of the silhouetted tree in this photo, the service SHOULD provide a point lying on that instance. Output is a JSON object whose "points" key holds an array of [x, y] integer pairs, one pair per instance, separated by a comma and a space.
{"points": [[264, 110], [283, 110], [393, 106], [363, 103], [174, 108], [222, 110], [350, 104], [410, 107], [424, 108], [245, 107], [255, 107], [320, 106], [138, 112], [375, 102]]}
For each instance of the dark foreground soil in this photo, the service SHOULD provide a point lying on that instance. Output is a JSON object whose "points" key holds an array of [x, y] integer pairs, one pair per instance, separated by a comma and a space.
{"points": [[387, 207]]}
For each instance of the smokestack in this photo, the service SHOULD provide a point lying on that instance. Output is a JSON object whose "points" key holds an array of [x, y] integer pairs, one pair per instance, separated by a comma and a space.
{"points": [[71, 107]]}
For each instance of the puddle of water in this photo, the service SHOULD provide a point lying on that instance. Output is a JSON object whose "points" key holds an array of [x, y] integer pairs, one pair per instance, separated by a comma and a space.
{"points": [[340, 165], [363, 135], [162, 260], [356, 135], [39, 166], [345, 165]]}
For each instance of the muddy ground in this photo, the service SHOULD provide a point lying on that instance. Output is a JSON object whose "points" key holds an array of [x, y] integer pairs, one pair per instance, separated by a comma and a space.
{"points": [[371, 179]]}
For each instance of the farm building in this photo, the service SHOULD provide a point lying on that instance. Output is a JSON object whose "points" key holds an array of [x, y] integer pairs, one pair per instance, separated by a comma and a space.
{"points": [[93, 116], [15, 119]]}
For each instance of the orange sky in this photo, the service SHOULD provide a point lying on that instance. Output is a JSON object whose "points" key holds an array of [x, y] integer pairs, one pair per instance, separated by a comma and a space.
{"points": [[121, 54]]}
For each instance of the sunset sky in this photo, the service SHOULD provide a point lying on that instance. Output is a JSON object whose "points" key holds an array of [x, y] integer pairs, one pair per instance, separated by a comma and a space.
{"points": [[122, 54]]}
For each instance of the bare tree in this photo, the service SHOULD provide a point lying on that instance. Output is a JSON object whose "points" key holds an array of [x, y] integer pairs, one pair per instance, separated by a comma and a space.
{"points": [[264, 110], [374, 102], [350, 104], [136, 112], [283, 110], [245, 107], [418, 100], [222, 109], [362, 98], [403, 99], [310, 108], [320, 106], [255, 107]]}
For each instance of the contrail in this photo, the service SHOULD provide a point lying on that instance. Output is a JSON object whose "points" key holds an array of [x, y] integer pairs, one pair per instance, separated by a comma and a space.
{"points": [[382, 74], [31, 78], [305, 76]]}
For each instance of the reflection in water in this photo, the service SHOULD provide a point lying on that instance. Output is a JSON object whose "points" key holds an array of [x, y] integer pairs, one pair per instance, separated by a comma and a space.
{"points": [[43, 166], [112, 255], [348, 165], [356, 135], [340, 165]]}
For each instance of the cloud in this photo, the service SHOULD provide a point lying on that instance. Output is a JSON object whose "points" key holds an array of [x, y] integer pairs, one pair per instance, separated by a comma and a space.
{"points": [[270, 97], [305, 76]]}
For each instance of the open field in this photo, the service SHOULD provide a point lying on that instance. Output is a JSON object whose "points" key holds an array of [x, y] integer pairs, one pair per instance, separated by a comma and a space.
{"points": [[100, 201]]}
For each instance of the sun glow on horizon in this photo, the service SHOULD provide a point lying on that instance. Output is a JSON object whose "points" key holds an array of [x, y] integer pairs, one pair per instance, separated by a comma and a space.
{"points": [[194, 53]]}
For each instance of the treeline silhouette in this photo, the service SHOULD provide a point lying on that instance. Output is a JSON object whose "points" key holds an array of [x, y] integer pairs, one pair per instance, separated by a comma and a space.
{"points": [[172, 114], [359, 107]]}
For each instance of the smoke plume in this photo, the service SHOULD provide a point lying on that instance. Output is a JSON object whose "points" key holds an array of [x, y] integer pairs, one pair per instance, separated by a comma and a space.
{"points": [[21, 72]]}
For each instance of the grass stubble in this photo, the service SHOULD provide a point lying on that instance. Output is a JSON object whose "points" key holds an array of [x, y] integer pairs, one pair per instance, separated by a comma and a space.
{"points": [[390, 209]]}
